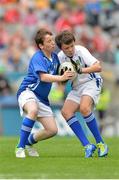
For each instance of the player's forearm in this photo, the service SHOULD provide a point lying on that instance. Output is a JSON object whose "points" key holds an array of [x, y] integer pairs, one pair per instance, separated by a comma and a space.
{"points": [[94, 68], [90, 70], [50, 78]]}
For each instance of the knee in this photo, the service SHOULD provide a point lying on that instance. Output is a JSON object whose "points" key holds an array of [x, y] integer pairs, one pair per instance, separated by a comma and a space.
{"points": [[32, 113], [52, 132], [85, 110], [66, 114]]}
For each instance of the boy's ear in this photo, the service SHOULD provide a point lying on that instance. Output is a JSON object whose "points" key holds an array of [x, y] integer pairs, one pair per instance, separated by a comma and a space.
{"points": [[41, 46]]}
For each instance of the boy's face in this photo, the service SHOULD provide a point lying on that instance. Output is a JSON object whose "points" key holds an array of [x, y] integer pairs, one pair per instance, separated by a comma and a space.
{"points": [[49, 44], [68, 49]]}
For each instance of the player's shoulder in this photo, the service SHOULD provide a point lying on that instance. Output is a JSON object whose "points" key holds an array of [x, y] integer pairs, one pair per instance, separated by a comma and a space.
{"points": [[61, 54], [37, 54], [80, 48]]}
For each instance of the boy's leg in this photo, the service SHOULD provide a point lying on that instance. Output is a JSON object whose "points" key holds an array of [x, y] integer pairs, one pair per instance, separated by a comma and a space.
{"points": [[30, 107], [26, 128], [50, 129], [77, 129], [68, 111], [92, 124], [90, 119]]}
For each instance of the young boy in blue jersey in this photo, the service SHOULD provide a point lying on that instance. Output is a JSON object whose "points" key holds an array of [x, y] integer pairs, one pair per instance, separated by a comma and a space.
{"points": [[86, 88], [33, 94]]}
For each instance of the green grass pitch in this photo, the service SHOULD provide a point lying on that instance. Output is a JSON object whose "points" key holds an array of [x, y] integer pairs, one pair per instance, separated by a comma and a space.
{"points": [[60, 158]]}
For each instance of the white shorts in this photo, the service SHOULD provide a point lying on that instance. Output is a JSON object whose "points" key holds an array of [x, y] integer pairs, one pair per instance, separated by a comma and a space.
{"points": [[89, 88], [26, 96]]}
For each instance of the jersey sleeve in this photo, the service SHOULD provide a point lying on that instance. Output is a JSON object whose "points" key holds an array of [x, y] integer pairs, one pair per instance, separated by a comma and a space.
{"points": [[87, 57], [39, 65]]}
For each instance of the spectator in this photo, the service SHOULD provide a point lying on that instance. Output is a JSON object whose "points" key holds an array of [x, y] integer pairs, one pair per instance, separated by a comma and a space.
{"points": [[15, 62], [5, 88], [99, 41], [12, 14], [107, 9], [93, 9], [30, 18], [85, 40], [109, 54], [78, 17], [17, 38], [4, 36], [63, 22], [29, 22]]}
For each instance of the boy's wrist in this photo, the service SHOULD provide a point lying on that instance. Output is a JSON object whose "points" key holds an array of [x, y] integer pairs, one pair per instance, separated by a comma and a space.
{"points": [[79, 71]]}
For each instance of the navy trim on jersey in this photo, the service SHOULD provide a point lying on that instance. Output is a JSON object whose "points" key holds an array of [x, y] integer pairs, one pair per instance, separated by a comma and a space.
{"points": [[98, 79]]}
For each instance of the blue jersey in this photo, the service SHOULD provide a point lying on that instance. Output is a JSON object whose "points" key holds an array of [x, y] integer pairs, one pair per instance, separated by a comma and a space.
{"points": [[39, 63]]}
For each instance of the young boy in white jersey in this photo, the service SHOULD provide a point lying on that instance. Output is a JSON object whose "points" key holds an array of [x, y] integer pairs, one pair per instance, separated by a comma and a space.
{"points": [[33, 94], [86, 88]]}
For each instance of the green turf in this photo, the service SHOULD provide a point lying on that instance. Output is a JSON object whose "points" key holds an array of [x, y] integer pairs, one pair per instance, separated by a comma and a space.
{"points": [[60, 158]]}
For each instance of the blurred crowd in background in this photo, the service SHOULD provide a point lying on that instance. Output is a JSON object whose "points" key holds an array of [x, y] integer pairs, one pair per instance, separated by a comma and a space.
{"points": [[95, 24]]}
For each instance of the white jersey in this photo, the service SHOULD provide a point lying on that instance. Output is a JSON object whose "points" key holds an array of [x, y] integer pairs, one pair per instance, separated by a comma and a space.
{"points": [[83, 57]]}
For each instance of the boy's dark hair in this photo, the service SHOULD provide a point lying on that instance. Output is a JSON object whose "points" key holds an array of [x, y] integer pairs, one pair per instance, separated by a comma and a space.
{"points": [[40, 35], [65, 37]]}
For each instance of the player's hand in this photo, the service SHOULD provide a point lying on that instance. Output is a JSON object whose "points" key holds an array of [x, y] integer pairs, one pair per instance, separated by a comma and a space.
{"points": [[68, 75]]}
